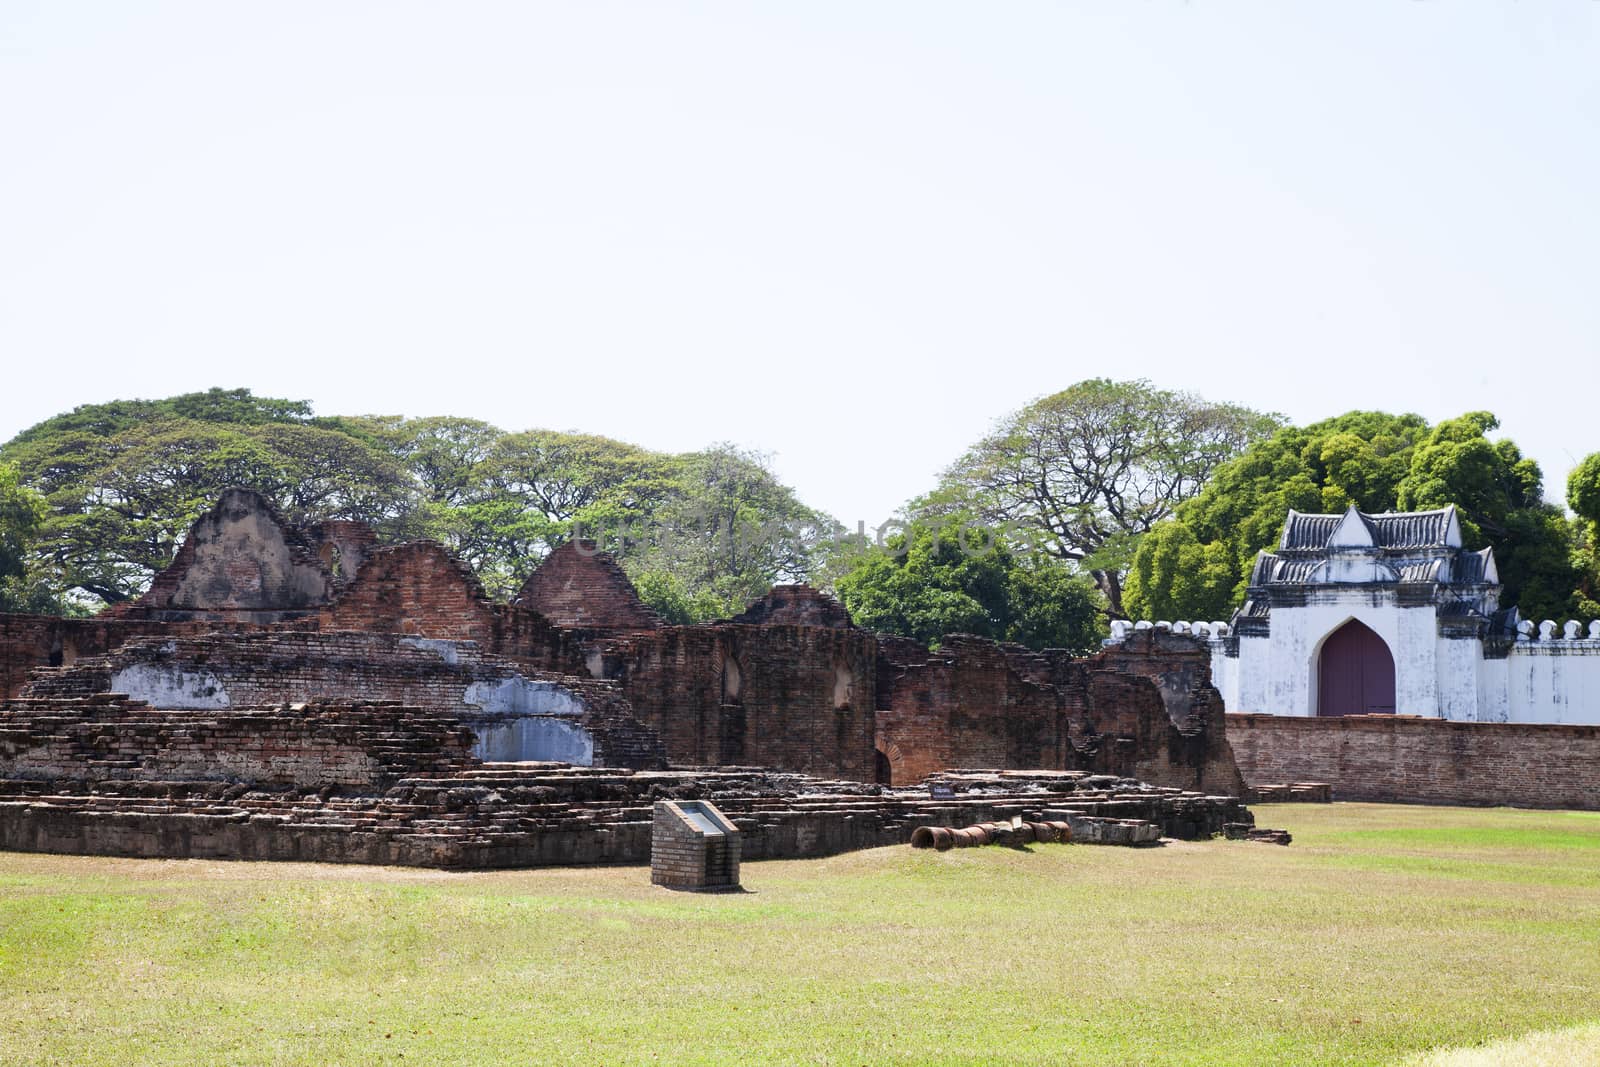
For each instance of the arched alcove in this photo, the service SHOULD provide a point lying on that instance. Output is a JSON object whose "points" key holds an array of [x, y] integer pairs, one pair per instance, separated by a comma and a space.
{"points": [[1355, 673]]}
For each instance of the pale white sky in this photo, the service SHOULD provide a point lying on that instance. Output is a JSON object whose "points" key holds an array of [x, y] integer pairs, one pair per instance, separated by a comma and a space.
{"points": [[851, 234]]}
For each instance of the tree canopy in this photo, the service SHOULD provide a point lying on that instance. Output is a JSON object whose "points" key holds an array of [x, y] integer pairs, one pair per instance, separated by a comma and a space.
{"points": [[1583, 497], [934, 580], [22, 512], [1114, 496], [1084, 473], [1197, 565], [119, 484]]}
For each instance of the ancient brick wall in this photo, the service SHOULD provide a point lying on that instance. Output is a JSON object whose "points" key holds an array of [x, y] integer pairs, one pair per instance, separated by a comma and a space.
{"points": [[965, 706], [1437, 761], [794, 697], [215, 671], [28, 642], [1194, 753], [107, 739], [975, 703], [796, 605], [415, 588], [578, 586], [240, 562]]}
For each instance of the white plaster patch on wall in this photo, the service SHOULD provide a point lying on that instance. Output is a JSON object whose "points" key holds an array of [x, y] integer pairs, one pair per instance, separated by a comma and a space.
{"points": [[517, 696], [166, 686], [534, 737]]}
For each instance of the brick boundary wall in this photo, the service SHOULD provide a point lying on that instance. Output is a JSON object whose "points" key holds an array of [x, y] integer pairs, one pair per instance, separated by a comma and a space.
{"points": [[1432, 761]]}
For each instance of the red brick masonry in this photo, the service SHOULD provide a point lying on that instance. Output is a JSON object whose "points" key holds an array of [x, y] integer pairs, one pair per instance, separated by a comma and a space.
{"points": [[1436, 761]]}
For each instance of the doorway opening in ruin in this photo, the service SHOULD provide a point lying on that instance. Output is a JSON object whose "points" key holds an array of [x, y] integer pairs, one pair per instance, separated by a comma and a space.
{"points": [[1355, 673], [882, 769]]}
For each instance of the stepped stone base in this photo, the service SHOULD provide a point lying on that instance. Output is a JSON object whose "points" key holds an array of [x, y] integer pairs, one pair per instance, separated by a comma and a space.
{"points": [[542, 814]]}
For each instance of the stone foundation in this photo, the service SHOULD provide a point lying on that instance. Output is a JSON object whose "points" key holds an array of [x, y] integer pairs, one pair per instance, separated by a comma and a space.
{"points": [[527, 815]]}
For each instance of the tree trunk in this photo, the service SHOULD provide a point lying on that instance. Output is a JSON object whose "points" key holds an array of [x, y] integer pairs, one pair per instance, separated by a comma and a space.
{"points": [[1110, 583]]}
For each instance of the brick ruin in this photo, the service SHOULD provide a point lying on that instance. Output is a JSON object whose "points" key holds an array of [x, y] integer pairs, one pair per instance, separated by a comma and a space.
{"points": [[301, 692]]}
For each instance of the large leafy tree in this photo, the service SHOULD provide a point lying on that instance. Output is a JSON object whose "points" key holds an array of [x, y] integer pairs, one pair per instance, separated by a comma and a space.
{"points": [[1197, 565], [1583, 497], [532, 491], [727, 531], [1084, 473], [1499, 498], [939, 578], [22, 513]]}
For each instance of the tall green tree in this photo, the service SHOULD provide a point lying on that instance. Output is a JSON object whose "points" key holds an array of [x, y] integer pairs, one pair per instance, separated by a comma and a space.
{"points": [[533, 491], [1089, 470], [728, 531], [1499, 498], [939, 578], [1583, 497], [702, 533], [22, 513], [1196, 565]]}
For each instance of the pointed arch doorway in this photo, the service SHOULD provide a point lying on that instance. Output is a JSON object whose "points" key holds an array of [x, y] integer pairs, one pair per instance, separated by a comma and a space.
{"points": [[1355, 673]]}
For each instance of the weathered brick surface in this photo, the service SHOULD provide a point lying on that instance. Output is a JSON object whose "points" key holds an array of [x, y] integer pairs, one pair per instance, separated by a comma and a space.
{"points": [[975, 702], [578, 586], [1437, 761], [796, 605], [792, 697], [240, 562], [415, 588], [107, 739], [275, 667], [523, 815]]}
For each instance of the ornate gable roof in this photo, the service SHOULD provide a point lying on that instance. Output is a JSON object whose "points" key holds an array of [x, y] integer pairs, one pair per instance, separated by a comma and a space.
{"points": [[1393, 531]]}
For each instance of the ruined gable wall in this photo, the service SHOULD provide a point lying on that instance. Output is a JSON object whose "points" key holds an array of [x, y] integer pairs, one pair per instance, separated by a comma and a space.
{"points": [[240, 562], [415, 588], [796, 605], [579, 587]]}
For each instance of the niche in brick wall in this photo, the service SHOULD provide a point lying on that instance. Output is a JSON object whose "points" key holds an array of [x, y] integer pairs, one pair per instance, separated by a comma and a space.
{"points": [[844, 687], [732, 679]]}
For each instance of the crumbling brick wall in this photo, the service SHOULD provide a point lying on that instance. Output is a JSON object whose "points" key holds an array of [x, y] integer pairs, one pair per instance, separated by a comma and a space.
{"points": [[794, 697], [976, 703], [790, 683], [240, 562], [415, 588], [321, 745], [580, 587], [218, 671], [796, 605]]}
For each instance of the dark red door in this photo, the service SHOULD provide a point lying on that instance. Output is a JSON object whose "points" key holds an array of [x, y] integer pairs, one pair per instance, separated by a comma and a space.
{"points": [[1355, 675]]}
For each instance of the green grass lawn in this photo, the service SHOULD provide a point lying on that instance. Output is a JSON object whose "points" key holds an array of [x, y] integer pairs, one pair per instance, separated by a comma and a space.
{"points": [[1381, 932]]}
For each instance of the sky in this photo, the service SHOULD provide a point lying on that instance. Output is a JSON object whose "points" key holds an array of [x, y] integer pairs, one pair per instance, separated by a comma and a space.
{"points": [[850, 235]]}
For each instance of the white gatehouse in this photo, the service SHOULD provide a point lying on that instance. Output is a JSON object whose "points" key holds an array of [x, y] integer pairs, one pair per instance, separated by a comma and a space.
{"points": [[1380, 614]]}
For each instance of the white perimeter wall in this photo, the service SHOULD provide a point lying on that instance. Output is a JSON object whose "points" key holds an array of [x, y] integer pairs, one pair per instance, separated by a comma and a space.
{"points": [[1550, 675]]}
